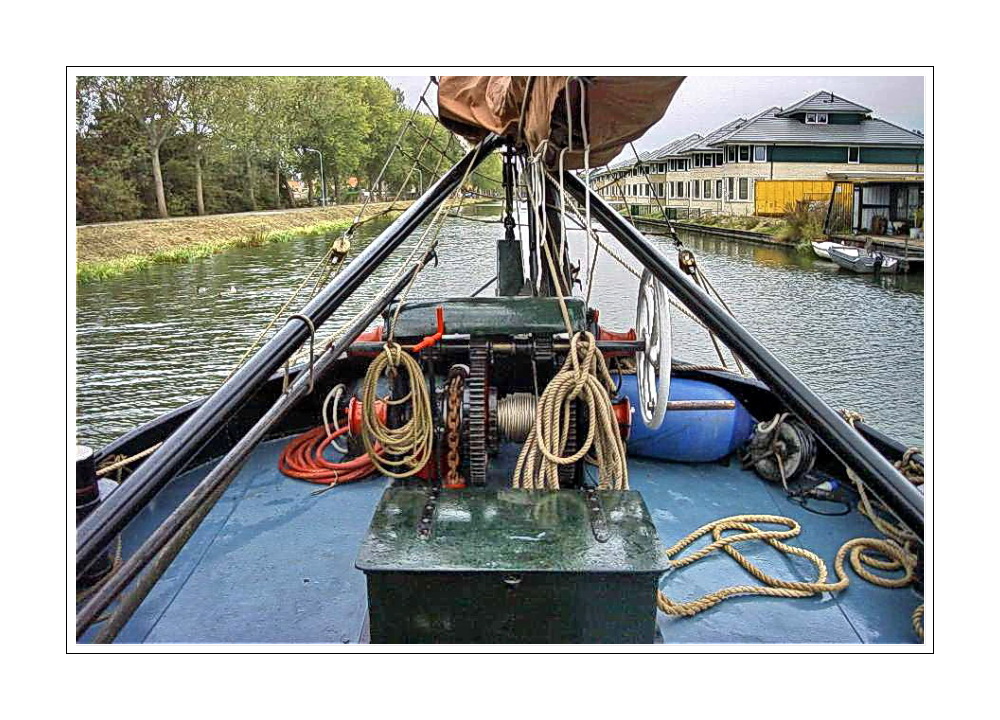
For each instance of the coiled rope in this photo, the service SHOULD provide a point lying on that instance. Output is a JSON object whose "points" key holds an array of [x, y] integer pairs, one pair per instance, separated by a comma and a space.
{"points": [[406, 449], [901, 535], [863, 554], [584, 375], [302, 458]]}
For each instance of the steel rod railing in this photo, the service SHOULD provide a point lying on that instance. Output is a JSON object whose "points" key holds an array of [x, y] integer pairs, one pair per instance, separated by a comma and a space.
{"points": [[899, 495], [99, 529]]}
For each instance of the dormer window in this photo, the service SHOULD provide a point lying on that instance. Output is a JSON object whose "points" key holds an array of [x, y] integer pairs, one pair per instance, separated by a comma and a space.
{"points": [[817, 118]]}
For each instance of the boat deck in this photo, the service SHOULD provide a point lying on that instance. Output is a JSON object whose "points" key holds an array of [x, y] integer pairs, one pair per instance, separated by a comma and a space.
{"points": [[273, 563]]}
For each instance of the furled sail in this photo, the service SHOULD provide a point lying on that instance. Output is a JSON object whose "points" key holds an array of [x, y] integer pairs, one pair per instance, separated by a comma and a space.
{"points": [[533, 110]]}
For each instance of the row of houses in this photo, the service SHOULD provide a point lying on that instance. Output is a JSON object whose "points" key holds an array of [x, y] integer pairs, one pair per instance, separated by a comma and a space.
{"points": [[763, 163]]}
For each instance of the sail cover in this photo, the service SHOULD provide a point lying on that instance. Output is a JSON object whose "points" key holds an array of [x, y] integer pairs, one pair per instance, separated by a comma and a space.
{"points": [[617, 110]]}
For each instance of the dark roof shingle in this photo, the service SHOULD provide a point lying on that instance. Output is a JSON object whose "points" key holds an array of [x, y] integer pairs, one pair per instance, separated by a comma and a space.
{"points": [[770, 127], [824, 101]]}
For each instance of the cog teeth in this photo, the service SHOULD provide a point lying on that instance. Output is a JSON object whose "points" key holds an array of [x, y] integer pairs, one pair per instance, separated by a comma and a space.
{"points": [[476, 384]]}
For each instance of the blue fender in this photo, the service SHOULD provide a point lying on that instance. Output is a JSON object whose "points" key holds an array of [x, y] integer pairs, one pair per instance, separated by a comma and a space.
{"points": [[689, 435]]}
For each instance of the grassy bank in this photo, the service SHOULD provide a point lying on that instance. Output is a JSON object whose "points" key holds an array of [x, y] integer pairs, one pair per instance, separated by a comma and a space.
{"points": [[749, 223], [797, 229], [111, 249]]}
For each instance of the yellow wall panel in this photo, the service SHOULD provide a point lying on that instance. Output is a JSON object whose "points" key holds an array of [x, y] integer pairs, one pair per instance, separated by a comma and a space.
{"points": [[777, 197]]}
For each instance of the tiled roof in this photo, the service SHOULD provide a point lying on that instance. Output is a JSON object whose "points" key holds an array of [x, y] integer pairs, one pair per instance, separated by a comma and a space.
{"points": [[676, 147], [770, 127], [824, 101], [719, 132], [774, 125]]}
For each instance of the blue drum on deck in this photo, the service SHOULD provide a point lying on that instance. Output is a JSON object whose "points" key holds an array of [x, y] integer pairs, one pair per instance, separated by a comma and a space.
{"points": [[689, 435]]}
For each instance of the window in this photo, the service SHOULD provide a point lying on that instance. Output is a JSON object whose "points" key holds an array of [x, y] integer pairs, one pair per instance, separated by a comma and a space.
{"points": [[744, 153], [718, 189], [697, 160], [731, 154], [707, 190], [720, 159], [707, 160], [817, 118], [760, 153], [697, 189], [680, 190], [731, 185], [744, 189], [854, 155]]}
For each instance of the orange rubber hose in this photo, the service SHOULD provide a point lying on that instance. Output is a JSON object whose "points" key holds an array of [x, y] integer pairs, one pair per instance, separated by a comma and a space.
{"points": [[302, 458]]}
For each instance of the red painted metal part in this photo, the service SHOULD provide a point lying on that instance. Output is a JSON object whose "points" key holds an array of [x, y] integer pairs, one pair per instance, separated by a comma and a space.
{"points": [[629, 334], [623, 414], [430, 340]]}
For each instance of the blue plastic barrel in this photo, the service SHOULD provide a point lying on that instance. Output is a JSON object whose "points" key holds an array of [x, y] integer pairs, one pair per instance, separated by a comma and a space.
{"points": [[689, 435]]}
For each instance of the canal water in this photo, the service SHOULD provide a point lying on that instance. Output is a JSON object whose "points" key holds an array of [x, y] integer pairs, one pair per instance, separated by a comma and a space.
{"points": [[152, 340]]}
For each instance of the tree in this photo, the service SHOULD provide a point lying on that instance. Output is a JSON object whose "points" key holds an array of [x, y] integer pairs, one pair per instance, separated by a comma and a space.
{"points": [[154, 103], [202, 96]]}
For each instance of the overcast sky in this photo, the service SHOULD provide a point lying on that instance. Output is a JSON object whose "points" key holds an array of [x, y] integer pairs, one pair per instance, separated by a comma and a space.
{"points": [[704, 103]]}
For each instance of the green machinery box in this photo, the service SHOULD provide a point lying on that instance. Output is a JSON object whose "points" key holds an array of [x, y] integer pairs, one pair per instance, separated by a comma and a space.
{"points": [[481, 565]]}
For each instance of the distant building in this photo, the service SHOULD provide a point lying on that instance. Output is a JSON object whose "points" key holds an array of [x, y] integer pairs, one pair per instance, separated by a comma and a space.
{"points": [[761, 164], [297, 188]]}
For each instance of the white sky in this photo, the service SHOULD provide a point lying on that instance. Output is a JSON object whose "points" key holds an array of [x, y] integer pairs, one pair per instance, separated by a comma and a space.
{"points": [[703, 102]]}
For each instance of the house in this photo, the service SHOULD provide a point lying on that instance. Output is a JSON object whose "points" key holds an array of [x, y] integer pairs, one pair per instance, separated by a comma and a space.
{"points": [[763, 163]]}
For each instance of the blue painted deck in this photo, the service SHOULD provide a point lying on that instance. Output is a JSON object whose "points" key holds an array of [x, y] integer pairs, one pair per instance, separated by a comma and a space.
{"points": [[274, 564]]}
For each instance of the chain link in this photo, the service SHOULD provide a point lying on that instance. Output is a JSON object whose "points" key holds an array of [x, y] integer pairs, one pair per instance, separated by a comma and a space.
{"points": [[453, 479]]}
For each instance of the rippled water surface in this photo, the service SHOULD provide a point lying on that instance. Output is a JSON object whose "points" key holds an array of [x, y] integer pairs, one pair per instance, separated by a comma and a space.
{"points": [[152, 340]]}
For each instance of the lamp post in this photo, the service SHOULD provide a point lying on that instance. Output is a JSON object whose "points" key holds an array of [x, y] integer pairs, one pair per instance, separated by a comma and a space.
{"points": [[322, 175]]}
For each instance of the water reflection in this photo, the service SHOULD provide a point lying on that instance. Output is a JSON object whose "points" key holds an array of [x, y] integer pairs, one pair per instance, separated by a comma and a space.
{"points": [[152, 340]]}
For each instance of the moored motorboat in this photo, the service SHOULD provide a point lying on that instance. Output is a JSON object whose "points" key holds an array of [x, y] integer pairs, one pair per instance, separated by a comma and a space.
{"points": [[861, 261], [504, 469]]}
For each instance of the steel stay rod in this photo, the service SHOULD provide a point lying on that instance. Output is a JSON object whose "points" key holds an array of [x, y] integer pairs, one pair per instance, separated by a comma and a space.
{"points": [[184, 520], [897, 492], [99, 529]]}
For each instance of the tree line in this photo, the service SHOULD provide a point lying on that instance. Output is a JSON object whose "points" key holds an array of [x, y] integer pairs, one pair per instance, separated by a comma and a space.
{"points": [[166, 146]]}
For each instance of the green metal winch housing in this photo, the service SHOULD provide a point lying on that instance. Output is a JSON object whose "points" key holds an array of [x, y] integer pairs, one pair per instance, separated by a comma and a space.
{"points": [[481, 565]]}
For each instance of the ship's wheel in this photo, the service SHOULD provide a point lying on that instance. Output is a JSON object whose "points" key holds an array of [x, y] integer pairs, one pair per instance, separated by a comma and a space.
{"points": [[652, 325]]}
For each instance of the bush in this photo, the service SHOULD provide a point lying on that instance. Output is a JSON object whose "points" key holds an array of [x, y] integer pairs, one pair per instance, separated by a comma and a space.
{"points": [[803, 224], [105, 195]]}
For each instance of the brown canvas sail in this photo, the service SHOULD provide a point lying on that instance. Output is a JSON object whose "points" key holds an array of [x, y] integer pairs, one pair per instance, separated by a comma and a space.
{"points": [[617, 110]]}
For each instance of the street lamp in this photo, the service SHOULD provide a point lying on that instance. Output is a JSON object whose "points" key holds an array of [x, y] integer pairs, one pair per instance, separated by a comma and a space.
{"points": [[322, 175]]}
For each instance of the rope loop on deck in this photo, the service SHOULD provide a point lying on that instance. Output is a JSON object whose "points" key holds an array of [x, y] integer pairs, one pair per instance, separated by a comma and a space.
{"points": [[864, 554]]}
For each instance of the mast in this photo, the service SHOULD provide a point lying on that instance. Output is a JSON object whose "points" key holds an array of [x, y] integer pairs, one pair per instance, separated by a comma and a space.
{"points": [[510, 265]]}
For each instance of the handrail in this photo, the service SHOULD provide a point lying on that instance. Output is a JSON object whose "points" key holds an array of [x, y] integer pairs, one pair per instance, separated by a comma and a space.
{"points": [[899, 495], [100, 528], [169, 537]]}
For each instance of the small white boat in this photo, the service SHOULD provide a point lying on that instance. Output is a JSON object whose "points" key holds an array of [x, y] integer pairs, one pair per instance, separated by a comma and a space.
{"points": [[861, 261], [822, 249]]}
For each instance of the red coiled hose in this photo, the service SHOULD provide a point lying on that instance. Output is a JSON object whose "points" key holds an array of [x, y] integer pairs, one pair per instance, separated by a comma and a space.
{"points": [[303, 459]]}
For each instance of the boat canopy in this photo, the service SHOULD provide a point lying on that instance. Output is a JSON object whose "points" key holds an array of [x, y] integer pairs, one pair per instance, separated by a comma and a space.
{"points": [[618, 110]]}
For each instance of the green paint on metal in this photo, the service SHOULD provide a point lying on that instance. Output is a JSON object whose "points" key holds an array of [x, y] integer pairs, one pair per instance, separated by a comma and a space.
{"points": [[490, 316], [511, 566], [510, 270]]}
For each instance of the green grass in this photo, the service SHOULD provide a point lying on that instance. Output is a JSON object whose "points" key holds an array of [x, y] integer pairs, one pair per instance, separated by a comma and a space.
{"points": [[87, 272]]}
